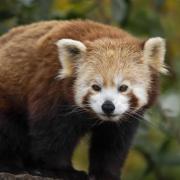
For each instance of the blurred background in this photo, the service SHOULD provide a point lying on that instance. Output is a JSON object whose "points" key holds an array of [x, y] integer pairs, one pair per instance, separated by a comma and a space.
{"points": [[156, 151]]}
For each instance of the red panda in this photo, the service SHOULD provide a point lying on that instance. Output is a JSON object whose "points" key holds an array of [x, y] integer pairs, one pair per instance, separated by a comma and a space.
{"points": [[61, 79]]}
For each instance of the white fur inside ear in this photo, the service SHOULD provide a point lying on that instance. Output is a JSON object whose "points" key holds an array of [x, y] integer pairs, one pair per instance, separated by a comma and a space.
{"points": [[154, 53], [69, 51], [64, 43]]}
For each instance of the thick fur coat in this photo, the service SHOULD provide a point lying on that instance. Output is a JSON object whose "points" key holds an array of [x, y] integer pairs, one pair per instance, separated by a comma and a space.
{"points": [[39, 122]]}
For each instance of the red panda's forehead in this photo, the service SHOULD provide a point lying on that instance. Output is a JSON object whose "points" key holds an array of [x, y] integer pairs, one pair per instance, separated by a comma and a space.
{"points": [[113, 60], [104, 44], [113, 52], [110, 75]]}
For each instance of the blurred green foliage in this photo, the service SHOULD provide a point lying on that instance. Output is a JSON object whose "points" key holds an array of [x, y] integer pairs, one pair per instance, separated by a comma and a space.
{"points": [[156, 151]]}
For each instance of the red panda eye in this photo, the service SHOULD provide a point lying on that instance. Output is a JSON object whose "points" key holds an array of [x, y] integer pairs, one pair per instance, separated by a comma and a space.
{"points": [[96, 87], [123, 88]]}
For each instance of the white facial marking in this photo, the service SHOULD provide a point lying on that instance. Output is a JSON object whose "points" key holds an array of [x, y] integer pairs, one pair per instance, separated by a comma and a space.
{"points": [[99, 81], [141, 93], [118, 80], [81, 91]]}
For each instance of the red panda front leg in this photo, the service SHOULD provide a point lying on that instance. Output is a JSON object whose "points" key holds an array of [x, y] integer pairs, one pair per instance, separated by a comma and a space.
{"points": [[13, 137], [109, 147], [54, 138]]}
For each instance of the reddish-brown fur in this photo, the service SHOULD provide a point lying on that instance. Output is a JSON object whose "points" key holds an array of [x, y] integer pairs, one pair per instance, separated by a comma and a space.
{"points": [[29, 60], [30, 91]]}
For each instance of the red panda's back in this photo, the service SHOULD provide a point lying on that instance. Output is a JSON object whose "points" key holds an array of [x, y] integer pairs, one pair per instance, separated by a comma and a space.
{"points": [[18, 56], [28, 54]]}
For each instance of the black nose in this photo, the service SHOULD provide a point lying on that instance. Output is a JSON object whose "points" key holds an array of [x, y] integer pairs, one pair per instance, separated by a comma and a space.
{"points": [[108, 107]]}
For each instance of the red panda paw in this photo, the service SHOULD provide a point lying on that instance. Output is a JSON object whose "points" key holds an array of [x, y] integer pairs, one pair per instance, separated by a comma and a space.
{"points": [[65, 174], [103, 177], [76, 175]]}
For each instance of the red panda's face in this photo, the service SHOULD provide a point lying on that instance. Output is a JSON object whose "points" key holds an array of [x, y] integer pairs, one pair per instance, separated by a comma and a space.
{"points": [[110, 102], [112, 78]]}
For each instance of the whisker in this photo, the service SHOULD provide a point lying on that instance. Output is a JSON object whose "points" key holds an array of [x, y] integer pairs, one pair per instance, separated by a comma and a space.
{"points": [[141, 118]]}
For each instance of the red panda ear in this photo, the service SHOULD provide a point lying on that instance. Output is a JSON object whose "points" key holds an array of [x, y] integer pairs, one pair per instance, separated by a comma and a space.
{"points": [[154, 53], [70, 52]]}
